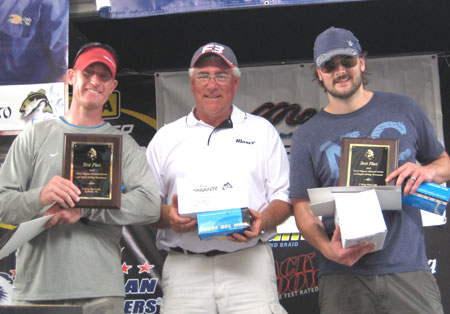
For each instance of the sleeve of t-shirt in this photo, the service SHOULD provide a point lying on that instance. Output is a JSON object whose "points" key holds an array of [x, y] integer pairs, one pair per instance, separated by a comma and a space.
{"points": [[428, 146]]}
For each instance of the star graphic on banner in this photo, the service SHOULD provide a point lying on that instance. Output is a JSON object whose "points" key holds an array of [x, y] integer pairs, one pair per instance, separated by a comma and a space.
{"points": [[13, 273], [126, 267], [145, 268]]}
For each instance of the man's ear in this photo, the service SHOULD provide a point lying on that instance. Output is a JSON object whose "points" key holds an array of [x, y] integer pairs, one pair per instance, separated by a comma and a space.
{"points": [[70, 75], [319, 74], [362, 64]]}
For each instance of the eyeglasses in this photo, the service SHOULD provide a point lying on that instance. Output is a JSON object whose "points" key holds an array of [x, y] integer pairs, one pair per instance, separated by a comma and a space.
{"points": [[204, 79], [347, 62]]}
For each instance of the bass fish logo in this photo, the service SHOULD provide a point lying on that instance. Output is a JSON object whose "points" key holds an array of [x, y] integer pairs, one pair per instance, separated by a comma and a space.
{"points": [[92, 154], [35, 100], [369, 154]]}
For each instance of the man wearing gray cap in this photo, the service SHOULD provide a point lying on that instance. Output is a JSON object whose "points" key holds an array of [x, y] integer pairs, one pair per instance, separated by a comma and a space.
{"points": [[396, 278], [236, 274]]}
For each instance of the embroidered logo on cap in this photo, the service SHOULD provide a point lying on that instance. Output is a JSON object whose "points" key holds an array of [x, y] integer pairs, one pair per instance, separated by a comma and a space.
{"points": [[110, 61], [213, 48]]}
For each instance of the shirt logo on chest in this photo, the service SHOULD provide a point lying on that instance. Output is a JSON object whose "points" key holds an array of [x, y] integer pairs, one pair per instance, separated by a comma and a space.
{"points": [[244, 142]]}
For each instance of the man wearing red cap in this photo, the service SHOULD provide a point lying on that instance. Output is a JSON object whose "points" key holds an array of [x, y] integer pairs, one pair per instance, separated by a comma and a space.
{"points": [[237, 274], [77, 260]]}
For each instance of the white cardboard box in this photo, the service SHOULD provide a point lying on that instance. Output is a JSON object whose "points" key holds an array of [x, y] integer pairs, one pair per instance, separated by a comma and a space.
{"points": [[197, 195], [360, 218], [357, 210]]}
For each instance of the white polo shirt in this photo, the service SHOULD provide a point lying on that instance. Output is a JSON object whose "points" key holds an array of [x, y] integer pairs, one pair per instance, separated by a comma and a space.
{"points": [[250, 147]]}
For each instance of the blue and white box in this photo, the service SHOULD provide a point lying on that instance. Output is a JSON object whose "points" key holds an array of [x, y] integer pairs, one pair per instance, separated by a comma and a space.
{"points": [[222, 223], [430, 196]]}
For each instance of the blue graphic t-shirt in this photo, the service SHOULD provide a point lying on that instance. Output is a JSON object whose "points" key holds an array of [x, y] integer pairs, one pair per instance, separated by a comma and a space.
{"points": [[315, 155]]}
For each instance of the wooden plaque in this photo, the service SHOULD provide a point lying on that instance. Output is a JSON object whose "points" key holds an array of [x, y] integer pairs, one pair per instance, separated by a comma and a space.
{"points": [[93, 162], [366, 161]]}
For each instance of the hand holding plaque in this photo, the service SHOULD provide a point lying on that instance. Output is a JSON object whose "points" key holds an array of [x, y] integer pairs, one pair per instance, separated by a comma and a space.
{"points": [[367, 161], [93, 162]]}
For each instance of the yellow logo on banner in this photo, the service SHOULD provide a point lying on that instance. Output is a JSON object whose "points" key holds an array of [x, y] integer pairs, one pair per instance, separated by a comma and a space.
{"points": [[111, 110], [288, 237], [15, 19]]}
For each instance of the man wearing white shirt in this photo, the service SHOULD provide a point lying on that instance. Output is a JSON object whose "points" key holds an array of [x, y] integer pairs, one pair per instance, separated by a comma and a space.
{"points": [[237, 274]]}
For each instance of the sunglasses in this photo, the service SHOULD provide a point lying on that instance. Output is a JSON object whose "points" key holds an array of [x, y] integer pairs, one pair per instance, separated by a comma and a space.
{"points": [[347, 62]]}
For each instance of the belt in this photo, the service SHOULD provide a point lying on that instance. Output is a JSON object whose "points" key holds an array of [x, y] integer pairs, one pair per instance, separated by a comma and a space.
{"points": [[187, 252]]}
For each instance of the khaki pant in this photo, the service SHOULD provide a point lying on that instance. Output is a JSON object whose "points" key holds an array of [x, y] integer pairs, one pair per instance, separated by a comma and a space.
{"points": [[243, 282], [400, 293]]}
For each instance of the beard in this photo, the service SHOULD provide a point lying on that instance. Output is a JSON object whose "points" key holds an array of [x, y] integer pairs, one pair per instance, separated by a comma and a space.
{"points": [[355, 85]]}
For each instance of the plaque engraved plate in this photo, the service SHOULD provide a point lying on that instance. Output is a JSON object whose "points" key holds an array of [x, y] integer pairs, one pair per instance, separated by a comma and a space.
{"points": [[93, 162], [367, 162]]}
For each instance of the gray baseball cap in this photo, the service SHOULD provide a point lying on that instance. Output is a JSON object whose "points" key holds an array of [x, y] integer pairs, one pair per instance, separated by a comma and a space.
{"points": [[335, 42], [220, 50]]}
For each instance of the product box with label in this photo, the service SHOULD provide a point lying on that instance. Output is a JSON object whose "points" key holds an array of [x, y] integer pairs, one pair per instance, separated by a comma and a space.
{"points": [[197, 195], [431, 197], [221, 223]]}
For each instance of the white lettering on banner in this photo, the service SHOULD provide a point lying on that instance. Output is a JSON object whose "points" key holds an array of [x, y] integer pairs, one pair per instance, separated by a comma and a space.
{"points": [[145, 286], [142, 306], [432, 263], [125, 128], [298, 292], [214, 48], [134, 286]]}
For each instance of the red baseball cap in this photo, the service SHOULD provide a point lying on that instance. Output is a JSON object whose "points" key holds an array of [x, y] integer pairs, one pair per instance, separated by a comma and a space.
{"points": [[96, 54]]}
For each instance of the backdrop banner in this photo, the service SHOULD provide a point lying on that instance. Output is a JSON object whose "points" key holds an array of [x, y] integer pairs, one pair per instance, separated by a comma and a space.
{"points": [[33, 61], [288, 96], [121, 9]]}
